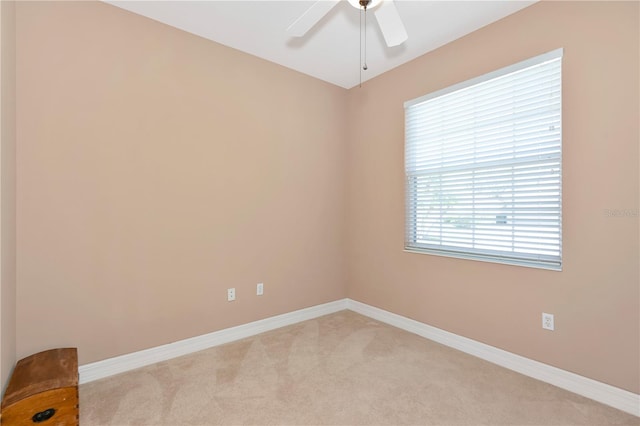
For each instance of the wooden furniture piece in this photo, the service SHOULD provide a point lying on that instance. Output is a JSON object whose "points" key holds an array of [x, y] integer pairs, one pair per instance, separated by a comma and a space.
{"points": [[43, 390]]}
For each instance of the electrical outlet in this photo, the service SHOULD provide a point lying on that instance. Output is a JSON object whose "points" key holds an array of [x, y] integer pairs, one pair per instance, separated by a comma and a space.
{"points": [[547, 321], [231, 294], [260, 289]]}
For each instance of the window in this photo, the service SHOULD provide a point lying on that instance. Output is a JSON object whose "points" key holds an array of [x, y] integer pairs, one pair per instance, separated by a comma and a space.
{"points": [[483, 164]]}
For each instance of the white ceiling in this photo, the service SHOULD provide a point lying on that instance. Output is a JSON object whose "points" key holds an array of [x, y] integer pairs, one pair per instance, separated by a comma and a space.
{"points": [[330, 51]]}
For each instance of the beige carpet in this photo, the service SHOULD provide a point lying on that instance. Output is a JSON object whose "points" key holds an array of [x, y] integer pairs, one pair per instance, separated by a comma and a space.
{"points": [[341, 369]]}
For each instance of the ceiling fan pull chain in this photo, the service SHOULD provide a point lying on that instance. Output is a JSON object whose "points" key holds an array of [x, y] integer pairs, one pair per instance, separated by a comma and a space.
{"points": [[365, 39], [363, 64], [360, 64]]}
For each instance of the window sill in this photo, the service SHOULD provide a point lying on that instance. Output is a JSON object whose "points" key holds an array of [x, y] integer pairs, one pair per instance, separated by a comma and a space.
{"points": [[490, 259]]}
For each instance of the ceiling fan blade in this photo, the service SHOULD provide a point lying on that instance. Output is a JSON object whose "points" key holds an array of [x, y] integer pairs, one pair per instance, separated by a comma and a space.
{"points": [[311, 17], [390, 23]]}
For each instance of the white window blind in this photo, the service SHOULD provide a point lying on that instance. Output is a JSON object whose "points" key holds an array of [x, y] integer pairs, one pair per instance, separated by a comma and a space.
{"points": [[483, 167]]}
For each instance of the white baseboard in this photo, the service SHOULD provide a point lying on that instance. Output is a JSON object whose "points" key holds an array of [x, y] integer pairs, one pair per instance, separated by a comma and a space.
{"points": [[120, 364], [598, 391]]}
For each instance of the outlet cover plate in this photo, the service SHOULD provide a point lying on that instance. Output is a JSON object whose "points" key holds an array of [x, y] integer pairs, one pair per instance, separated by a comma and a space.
{"points": [[547, 321]]}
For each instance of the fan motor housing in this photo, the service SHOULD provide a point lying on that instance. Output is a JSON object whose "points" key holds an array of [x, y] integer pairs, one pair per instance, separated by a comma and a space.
{"points": [[368, 4]]}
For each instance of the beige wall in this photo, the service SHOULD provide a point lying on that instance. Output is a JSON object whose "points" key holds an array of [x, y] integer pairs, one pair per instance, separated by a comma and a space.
{"points": [[8, 191], [595, 298], [155, 170]]}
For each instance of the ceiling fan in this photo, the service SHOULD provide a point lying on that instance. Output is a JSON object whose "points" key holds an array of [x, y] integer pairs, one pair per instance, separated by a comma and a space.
{"points": [[384, 10]]}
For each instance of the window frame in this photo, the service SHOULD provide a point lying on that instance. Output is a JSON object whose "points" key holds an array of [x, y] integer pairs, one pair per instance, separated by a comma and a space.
{"points": [[503, 257]]}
